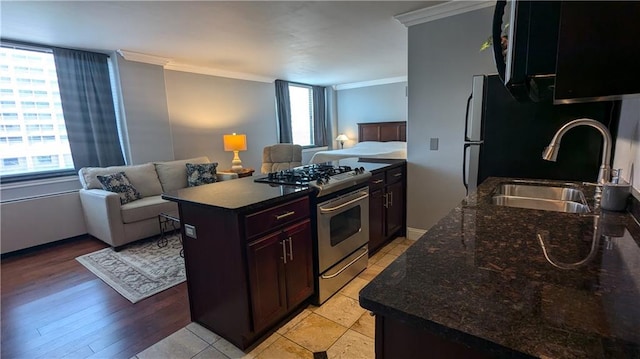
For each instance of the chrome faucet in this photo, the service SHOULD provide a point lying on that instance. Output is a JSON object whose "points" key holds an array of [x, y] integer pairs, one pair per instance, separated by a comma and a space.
{"points": [[550, 153]]}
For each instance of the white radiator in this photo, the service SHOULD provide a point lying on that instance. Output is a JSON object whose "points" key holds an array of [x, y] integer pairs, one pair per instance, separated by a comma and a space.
{"points": [[38, 220]]}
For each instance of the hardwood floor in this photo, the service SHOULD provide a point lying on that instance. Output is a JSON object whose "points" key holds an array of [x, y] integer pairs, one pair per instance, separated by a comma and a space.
{"points": [[53, 307]]}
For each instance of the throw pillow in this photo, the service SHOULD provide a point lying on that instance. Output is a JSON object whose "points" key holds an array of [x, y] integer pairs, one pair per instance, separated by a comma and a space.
{"points": [[199, 174], [119, 183]]}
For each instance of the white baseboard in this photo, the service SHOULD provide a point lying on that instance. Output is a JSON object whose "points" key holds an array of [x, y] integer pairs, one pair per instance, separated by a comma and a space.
{"points": [[415, 233]]}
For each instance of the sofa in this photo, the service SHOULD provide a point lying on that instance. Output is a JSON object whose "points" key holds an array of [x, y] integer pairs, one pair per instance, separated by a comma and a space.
{"points": [[118, 224]]}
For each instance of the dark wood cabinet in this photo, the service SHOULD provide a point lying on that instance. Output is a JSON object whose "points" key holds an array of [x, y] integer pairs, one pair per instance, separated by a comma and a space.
{"points": [[239, 286], [395, 208], [397, 339], [387, 213], [280, 273]]}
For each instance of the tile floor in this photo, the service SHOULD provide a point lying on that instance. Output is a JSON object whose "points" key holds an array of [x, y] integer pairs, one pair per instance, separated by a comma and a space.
{"points": [[340, 327]]}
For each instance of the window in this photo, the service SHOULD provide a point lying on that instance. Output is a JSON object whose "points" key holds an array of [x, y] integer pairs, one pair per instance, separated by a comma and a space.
{"points": [[301, 114], [301, 99], [33, 93]]}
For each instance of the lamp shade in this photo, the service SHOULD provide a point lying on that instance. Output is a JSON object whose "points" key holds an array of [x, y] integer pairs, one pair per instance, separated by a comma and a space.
{"points": [[235, 142], [342, 137]]}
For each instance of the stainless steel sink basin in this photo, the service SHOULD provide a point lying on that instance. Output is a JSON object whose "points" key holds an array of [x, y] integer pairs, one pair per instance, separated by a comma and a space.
{"points": [[540, 195]]}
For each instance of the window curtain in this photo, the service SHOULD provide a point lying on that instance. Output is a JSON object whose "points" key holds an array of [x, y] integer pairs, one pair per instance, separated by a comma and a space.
{"points": [[283, 110], [320, 137], [87, 104]]}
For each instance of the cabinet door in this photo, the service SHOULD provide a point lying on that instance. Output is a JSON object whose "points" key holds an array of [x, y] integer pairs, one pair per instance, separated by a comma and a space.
{"points": [[395, 210], [267, 279], [299, 267], [376, 219]]}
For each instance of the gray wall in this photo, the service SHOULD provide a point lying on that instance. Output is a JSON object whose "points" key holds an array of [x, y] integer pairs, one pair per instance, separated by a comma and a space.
{"points": [[369, 104], [443, 57], [203, 108]]}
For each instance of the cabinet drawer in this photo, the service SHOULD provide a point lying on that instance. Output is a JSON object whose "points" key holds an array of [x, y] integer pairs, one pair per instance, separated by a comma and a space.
{"points": [[394, 175], [274, 217], [376, 181]]}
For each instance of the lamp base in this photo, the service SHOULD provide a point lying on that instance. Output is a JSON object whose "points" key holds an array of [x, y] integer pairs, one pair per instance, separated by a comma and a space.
{"points": [[236, 163]]}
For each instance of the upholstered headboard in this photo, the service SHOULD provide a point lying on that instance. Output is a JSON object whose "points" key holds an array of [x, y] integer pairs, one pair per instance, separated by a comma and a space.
{"points": [[382, 131]]}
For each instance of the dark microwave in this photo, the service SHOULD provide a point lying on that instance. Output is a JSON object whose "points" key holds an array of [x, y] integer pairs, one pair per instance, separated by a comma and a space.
{"points": [[568, 51], [529, 65]]}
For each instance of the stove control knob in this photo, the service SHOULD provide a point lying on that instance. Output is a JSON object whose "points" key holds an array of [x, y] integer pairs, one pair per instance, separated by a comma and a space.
{"points": [[361, 169], [319, 181]]}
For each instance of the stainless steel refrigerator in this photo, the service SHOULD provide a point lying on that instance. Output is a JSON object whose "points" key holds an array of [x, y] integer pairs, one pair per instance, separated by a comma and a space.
{"points": [[505, 138]]}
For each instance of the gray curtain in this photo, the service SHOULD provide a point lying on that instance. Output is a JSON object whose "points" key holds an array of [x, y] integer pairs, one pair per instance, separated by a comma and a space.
{"points": [[319, 117], [87, 105], [283, 110]]}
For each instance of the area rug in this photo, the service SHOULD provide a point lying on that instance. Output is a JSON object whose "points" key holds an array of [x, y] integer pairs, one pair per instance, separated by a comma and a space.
{"points": [[139, 270]]}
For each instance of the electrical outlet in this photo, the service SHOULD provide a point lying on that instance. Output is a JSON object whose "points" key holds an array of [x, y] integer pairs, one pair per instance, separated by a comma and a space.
{"points": [[190, 231]]}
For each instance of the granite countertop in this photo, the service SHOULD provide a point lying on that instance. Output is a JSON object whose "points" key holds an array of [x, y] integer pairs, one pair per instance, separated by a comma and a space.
{"points": [[245, 194], [480, 277], [238, 194]]}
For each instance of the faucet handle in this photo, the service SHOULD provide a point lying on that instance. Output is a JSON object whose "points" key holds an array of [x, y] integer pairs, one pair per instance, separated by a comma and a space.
{"points": [[591, 184]]}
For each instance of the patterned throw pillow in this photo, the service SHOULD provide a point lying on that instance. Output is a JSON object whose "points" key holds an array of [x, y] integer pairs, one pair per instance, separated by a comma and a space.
{"points": [[119, 183], [199, 174]]}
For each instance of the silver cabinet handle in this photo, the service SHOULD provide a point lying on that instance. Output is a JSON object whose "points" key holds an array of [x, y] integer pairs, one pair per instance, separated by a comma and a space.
{"points": [[377, 181], [284, 252], [284, 215], [345, 267], [385, 203], [333, 209], [391, 199], [290, 249], [397, 175]]}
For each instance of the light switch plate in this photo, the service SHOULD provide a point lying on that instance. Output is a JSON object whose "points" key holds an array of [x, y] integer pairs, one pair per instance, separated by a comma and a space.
{"points": [[433, 145], [190, 231]]}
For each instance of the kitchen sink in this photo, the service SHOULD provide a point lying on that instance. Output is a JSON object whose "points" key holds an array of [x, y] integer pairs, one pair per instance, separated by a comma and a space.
{"points": [[540, 195]]}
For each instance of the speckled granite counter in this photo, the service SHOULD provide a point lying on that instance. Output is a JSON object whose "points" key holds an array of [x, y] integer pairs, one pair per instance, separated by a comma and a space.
{"points": [[479, 277], [241, 194]]}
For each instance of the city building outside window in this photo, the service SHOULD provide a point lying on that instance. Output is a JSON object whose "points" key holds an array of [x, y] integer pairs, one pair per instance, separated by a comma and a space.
{"points": [[33, 137]]}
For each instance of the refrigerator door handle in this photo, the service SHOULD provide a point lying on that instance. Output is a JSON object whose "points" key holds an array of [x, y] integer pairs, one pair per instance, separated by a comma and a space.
{"points": [[464, 168], [465, 176], [466, 119]]}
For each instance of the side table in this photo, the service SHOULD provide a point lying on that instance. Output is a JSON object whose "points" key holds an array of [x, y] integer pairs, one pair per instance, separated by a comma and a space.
{"points": [[169, 222], [245, 172]]}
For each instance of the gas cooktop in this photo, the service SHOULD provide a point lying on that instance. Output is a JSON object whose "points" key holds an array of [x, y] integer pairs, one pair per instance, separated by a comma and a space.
{"points": [[326, 178]]}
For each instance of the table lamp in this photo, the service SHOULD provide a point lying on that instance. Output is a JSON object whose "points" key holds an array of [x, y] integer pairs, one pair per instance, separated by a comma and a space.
{"points": [[342, 137], [235, 143]]}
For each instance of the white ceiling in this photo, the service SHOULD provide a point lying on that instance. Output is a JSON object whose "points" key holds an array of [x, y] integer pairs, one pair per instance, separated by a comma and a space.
{"points": [[320, 43]]}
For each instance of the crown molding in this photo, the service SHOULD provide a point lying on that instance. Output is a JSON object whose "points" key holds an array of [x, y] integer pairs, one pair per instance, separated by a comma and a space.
{"points": [[147, 59], [432, 13], [353, 85], [175, 66]]}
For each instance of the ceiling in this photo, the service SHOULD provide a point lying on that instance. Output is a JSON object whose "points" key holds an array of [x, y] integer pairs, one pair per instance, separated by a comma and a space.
{"points": [[320, 43]]}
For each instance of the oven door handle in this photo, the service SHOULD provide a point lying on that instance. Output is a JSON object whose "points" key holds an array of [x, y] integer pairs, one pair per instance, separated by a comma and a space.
{"points": [[366, 251], [333, 209]]}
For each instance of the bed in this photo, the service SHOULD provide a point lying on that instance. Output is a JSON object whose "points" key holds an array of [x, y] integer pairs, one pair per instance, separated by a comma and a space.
{"points": [[382, 140]]}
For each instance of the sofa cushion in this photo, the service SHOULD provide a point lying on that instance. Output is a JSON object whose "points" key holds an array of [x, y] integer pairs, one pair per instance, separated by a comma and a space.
{"points": [[119, 183], [148, 207], [199, 174], [173, 174], [143, 177]]}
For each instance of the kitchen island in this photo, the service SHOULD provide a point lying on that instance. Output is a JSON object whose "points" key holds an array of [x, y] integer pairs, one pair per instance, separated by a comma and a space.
{"points": [[478, 284], [250, 251]]}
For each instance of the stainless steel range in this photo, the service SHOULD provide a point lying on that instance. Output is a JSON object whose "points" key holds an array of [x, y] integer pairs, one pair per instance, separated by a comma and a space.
{"points": [[342, 220]]}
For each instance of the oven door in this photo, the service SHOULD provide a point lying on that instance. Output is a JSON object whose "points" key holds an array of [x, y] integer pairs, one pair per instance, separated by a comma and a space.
{"points": [[343, 227]]}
